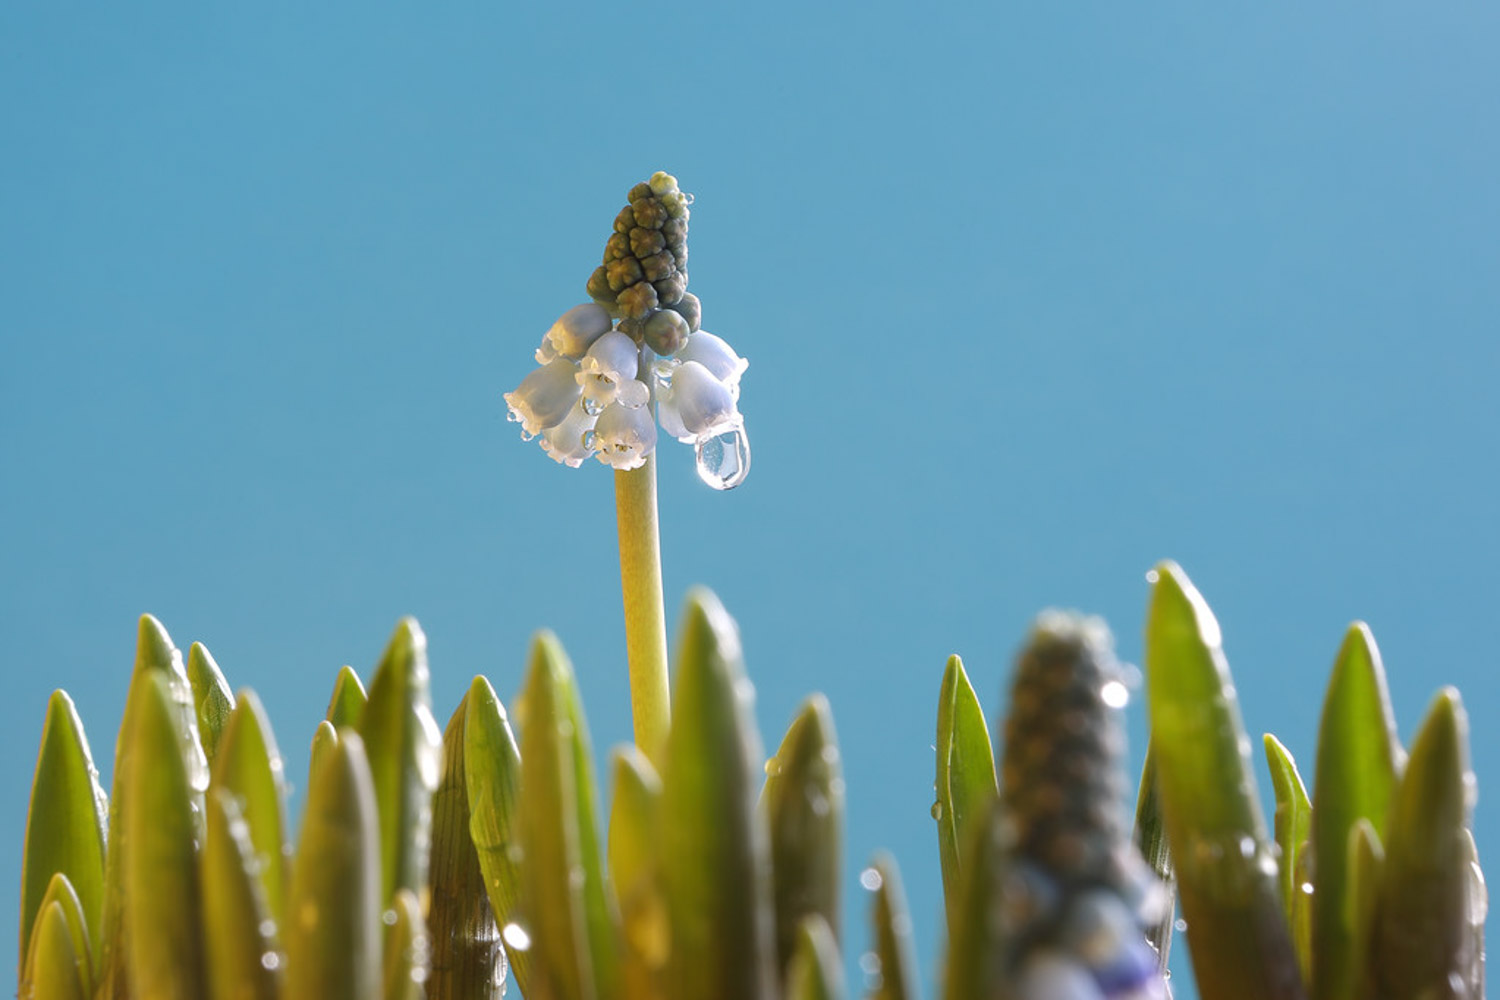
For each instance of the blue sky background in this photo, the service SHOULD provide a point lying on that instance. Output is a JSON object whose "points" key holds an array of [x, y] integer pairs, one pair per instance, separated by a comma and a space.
{"points": [[1033, 298]]}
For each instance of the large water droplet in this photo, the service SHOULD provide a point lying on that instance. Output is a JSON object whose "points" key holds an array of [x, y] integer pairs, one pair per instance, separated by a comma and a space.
{"points": [[724, 459]]}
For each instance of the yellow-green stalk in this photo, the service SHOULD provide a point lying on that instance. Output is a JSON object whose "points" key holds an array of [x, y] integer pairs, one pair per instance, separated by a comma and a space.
{"points": [[645, 609]]}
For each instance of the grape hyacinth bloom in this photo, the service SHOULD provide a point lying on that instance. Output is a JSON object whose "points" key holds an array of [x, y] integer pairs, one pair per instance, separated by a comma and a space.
{"points": [[611, 368], [1077, 895]]}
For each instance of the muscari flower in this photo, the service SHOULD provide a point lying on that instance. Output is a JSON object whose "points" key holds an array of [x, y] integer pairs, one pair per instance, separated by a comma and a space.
{"points": [[609, 369], [1077, 894]]}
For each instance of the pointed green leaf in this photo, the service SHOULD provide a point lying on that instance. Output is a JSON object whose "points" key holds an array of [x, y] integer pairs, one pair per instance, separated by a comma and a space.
{"points": [[894, 947], [66, 822], [492, 776], [635, 869], [803, 800], [325, 738], [408, 949], [333, 939], [212, 699], [235, 910], [163, 817], [965, 774], [468, 962], [1150, 836], [54, 968], [155, 655], [572, 926], [1293, 824], [60, 893], [1424, 932], [347, 706], [402, 741], [974, 965], [1226, 871], [718, 879], [248, 767], [815, 971], [1359, 758]]}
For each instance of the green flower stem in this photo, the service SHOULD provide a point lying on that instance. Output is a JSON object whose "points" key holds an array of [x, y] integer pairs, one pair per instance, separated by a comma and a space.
{"points": [[645, 610]]}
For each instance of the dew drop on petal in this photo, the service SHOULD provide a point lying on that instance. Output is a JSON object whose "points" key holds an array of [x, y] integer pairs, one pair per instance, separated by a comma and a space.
{"points": [[592, 406], [724, 459]]}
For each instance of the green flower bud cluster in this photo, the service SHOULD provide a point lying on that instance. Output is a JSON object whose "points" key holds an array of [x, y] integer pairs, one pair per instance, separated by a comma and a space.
{"points": [[643, 280]]}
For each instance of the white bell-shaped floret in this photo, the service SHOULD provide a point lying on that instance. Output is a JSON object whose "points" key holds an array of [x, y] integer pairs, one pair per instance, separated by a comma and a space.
{"points": [[571, 441], [695, 405], [715, 354], [624, 436], [607, 373], [544, 397], [574, 332]]}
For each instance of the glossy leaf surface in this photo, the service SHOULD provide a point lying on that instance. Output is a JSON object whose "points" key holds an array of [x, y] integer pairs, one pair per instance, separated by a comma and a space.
{"points": [[65, 825], [803, 800], [718, 870], [333, 931], [1293, 826], [492, 775], [568, 915], [1226, 871], [1359, 759], [243, 960], [895, 950], [212, 699], [468, 962], [163, 817], [402, 741], [965, 774], [248, 767]]}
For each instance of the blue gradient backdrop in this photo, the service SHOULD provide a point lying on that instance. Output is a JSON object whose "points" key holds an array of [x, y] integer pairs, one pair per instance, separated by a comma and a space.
{"points": [[1033, 298]]}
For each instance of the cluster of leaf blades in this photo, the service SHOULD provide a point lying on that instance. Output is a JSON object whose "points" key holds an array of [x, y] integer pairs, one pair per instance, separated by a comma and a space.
{"points": [[429, 865], [1370, 888]]}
